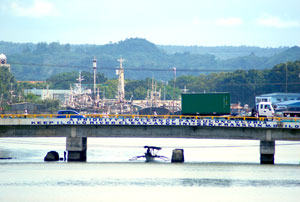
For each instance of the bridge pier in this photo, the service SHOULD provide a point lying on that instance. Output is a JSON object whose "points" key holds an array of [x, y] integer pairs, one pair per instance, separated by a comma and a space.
{"points": [[177, 156], [267, 152], [76, 147]]}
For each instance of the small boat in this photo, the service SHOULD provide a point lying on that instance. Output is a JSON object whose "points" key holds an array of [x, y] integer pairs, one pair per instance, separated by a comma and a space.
{"points": [[151, 154]]}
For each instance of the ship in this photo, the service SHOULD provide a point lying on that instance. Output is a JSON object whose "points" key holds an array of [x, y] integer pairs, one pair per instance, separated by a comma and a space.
{"points": [[82, 99]]}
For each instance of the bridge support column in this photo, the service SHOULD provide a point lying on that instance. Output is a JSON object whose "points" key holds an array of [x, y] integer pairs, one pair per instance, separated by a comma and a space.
{"points": [[76, 147], [267, 152], [177, 156]]}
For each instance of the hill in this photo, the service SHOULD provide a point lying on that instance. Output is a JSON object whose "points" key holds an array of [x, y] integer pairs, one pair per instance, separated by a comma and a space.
{"points": [[142, 59], [224, 52], [290, 54]]}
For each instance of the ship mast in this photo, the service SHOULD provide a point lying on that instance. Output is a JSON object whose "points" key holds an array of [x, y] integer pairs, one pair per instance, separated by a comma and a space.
{"points": [[121, 85]]}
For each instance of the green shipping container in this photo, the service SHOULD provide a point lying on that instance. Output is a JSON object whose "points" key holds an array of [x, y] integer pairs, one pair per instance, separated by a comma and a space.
{"points": [[205, 104]]}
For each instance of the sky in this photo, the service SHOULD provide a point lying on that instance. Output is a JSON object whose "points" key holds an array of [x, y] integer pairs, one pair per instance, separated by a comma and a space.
{"points": [[263, 23]]}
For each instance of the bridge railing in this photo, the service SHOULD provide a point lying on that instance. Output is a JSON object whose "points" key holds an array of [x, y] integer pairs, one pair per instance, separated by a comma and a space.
{"points": [[124, 116], [17, 116]]}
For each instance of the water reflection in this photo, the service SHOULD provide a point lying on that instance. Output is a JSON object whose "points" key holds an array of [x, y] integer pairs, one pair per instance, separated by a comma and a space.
{"points": [[133, 181], [147, 182]]}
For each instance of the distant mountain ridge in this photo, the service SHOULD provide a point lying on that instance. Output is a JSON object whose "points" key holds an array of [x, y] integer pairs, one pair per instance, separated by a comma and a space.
{"points": [[142, 56], [290, 54], [224, 52]]}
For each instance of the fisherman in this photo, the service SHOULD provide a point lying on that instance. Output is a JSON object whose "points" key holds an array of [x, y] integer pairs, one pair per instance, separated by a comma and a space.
{"points": [[148, 152]]}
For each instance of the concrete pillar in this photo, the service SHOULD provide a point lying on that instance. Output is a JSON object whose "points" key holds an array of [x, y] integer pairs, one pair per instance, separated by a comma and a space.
{"points": [[177, 156], [76, 147], [267, 152]]}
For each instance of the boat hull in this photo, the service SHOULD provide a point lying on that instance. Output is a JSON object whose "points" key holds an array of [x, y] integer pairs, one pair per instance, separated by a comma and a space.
{"points": [[149, 158]]}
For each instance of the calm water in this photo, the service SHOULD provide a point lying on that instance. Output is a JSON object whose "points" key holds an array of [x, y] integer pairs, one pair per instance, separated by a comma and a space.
{"points": [[215, 170]]}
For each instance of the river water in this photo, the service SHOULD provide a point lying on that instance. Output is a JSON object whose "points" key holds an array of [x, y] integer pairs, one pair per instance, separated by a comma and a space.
{"points": [[214, 170]]}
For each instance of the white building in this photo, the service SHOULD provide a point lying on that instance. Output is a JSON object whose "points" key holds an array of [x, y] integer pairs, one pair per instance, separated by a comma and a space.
{"points": [[49, 93], [3, 61], [275, 98]]}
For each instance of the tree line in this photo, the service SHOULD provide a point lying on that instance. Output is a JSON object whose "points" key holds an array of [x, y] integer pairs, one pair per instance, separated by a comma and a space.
{"points": [[243, 85]]}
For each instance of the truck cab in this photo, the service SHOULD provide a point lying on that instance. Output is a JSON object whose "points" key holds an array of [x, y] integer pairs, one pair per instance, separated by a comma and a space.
{"points": [[265, 109]]}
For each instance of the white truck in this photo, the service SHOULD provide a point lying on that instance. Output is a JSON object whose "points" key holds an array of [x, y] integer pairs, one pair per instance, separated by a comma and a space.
{"points": [[265, 109]]}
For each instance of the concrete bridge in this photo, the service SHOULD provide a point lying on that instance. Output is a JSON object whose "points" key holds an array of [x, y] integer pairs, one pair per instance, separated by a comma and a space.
{"points": [[77, 130]]}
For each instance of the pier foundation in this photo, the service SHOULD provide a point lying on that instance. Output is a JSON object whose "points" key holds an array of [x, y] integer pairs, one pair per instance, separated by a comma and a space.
{"points": [[76, 147], [267, 152], [177, 156]]}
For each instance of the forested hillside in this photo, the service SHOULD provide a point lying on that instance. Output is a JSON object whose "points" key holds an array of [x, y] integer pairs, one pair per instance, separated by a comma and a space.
{"points": [[142, 59]]}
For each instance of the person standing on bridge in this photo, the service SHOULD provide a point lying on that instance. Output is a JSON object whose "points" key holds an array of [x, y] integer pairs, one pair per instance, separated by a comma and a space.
{"points": [[25, 113], [154, 113], [254, 112]]}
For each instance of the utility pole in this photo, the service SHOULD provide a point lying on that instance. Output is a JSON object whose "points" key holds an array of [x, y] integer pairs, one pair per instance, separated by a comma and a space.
{"points": [[174, 70], [152, 93], [164, 92], [185, 90], [11, 93], [286, 78], [95, 68], [1, 99]]}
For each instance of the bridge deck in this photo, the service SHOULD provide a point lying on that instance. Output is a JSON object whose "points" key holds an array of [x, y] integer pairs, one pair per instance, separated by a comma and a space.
{"points": [[149, 126], [165, 120]]}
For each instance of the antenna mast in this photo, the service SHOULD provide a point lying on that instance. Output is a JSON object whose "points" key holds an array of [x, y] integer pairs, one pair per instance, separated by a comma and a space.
{"points": [[80, 79]]}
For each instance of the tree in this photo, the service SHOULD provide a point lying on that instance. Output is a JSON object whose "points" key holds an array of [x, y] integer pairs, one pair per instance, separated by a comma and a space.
{"points": [[8, 88], [30, 97], [64, 80], [110, 88], [51, 105]]}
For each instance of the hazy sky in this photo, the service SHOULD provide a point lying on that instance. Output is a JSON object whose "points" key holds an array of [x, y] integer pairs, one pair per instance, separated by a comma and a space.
{"points": [[266, 23]]}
